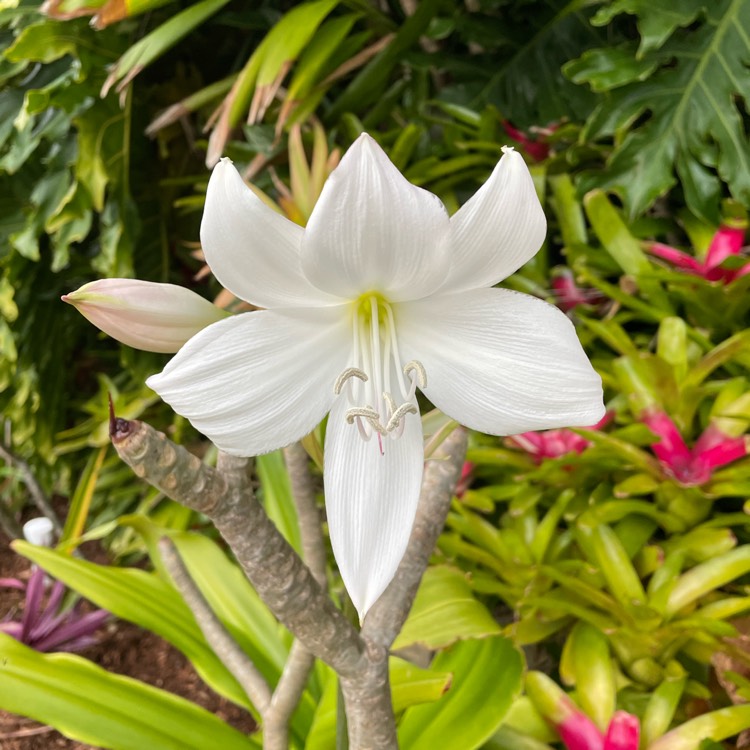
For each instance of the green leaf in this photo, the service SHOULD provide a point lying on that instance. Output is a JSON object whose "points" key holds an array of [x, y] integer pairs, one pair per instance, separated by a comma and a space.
{"points": [[371, 81], [289, 36], [662, 705], [528, 84], [80, 503], [606, 69], [445, 611], [276, 496], [227, 590], [715, 725], [685, 121], [88, 704], [42, 42], [621, 245], [157, 42], [709, 575], [313, 61], [586, 664], [486, 679], [510, 739], [608, 552], [144, 599], [656, 21], [412, 686]]}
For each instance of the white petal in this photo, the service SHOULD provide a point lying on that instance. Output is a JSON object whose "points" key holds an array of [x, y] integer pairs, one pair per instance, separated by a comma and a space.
{"points": [[260, 380], [371, 500], [501, 362], [498, 229], [372, 230], [252, 250]]}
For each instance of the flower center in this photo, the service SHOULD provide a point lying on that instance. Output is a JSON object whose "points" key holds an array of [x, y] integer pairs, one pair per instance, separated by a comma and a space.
{"points": [[379, 389]]}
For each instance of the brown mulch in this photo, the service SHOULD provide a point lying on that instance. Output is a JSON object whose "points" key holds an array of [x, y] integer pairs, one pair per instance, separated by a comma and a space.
{"points": [[124, 649]]}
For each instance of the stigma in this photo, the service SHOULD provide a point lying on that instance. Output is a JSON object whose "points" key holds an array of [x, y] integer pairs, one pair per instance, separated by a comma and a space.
{"points": [[380, 390]]}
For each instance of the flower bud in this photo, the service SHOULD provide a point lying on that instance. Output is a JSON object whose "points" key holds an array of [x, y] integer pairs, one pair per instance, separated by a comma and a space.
{"points": [[39, 531], [143, 314], [623, 732], [726, 242], [575, 728]]}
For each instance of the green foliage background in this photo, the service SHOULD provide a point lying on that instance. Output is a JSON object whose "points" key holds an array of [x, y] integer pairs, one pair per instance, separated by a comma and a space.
{"points": [[107, 133]]}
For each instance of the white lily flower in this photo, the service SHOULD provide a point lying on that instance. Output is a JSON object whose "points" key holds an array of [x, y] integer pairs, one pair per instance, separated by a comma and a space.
{"points": [[382, 294], [144, 314]]}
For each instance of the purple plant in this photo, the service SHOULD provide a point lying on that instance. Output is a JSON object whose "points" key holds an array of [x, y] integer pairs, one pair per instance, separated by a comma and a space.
{"points": [[46, 626]]}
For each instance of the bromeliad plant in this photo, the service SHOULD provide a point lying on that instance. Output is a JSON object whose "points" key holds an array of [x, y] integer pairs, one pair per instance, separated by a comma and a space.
{"points": [[380, 295], [605, 712], [48, 625]]}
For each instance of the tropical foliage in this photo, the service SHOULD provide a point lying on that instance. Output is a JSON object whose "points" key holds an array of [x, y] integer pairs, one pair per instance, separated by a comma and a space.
{"points": [[590, 585]]}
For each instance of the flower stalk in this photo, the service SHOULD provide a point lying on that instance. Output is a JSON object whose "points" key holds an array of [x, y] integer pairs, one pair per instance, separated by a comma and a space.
{"points": [[287, 585]]}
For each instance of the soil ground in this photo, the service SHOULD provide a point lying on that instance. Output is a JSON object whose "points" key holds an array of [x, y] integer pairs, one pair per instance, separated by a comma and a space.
{"points": [[123, 648]]}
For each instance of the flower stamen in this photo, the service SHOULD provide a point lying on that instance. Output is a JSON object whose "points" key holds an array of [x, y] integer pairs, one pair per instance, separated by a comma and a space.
{"points": [[398, 415], [350, 372], [377, 362], [419, 379]]}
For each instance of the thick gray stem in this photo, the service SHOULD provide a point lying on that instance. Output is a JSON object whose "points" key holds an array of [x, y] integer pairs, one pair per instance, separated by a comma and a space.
{"points": [[279, 576], [287, 585], [224, 646], [367, 695], [369, 709], [286, 697], [297, 668], [387, 616]]}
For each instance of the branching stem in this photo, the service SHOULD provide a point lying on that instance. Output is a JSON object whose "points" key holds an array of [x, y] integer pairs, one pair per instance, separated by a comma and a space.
{"points": [[222, 643], [290, 589]]}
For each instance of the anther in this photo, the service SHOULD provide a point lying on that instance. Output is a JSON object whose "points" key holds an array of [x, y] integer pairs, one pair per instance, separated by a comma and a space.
{"points": [[350, 372], [390, 402], [365, 412], [398, 416], [420, 374]]}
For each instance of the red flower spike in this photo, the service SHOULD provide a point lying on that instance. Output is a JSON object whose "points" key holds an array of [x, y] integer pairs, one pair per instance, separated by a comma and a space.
{"points": [[694, 467], [671, 448], [555, 443], [538, 150], [578, 732], [717, 449], [623, 732], [568, 295], [726, 242], [677, 258]]}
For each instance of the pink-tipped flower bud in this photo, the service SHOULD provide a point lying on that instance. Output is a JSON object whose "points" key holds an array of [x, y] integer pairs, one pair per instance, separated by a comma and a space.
{"points": [[575, 728], [143, 314], [623, 733], [726, 242]]}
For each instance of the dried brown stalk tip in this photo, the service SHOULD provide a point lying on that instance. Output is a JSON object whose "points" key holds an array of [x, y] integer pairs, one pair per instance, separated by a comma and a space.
{"points": [[119, 429]]}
